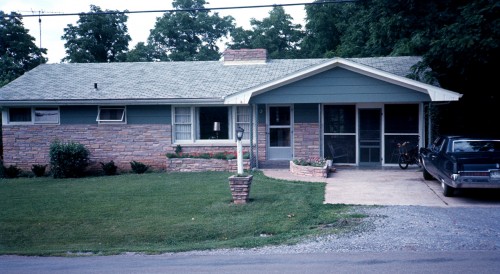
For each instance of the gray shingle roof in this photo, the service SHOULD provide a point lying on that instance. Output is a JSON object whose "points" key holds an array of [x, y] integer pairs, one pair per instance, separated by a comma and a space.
{"points": [[164, 80]]}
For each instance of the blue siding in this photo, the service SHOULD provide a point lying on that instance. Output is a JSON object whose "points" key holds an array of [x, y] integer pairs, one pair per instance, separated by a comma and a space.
{"points": [[261, 113], [340, 85], [78, 114], [306, 113], [135, 114], [149, 114]]}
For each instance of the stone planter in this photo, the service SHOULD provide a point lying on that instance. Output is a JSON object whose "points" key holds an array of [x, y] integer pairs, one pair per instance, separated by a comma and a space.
{"points": [[309, 171], [240, 188]]}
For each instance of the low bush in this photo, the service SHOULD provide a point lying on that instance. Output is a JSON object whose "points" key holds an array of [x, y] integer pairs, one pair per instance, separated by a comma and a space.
{"points": [[11, 171], [38, 170], [314, 161], [109, 168], [68, 160], [138, 167]]}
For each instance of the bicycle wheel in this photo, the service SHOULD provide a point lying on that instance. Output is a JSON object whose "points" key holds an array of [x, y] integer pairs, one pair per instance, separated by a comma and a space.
{"points": [[403, 161]]}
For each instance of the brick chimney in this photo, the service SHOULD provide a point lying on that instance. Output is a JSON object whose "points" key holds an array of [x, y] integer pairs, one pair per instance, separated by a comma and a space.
{"points": [[245, 56]]}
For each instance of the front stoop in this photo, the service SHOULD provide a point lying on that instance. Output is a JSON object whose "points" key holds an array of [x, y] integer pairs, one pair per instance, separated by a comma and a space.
{"points": [[240, 188]]}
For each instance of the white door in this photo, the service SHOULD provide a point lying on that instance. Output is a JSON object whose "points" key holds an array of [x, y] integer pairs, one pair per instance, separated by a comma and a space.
{"points": [[279, 146]]}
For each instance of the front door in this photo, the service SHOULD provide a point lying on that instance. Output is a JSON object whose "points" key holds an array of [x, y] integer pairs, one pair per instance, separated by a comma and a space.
{"points": [[280, 133], [369, 136]]}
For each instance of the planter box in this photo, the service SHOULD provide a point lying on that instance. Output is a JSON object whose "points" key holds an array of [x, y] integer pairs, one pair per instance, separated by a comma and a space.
{"points": [[200, 165], [309, 171], [240, 188]]}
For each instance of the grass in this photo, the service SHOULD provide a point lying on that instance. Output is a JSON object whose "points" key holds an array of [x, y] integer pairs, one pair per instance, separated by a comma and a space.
{"points": [[158, 212]]}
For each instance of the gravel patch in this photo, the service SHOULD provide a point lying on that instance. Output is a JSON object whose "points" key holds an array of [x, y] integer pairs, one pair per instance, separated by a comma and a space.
{"points": [[395, 228]]}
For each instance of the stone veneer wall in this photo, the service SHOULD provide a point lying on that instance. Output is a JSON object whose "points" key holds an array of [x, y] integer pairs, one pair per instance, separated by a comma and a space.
{"points": [[28, 145], [199, 165], [306, 140], [261, 142]]}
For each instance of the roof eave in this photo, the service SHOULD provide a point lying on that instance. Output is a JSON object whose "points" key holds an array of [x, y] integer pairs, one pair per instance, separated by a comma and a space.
{"points": [[103, 102]]}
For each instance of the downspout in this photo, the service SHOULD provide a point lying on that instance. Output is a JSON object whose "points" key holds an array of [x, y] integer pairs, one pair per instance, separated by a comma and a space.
{"points": [[429, 125]]}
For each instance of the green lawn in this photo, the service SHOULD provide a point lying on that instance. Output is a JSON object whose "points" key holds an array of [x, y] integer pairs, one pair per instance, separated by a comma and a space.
{"points": [[158, 212]]}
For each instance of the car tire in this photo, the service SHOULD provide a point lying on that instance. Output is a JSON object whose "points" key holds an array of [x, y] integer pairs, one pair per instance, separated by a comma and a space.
{"points": [[403, 161], [448, 191], [427, 175]]}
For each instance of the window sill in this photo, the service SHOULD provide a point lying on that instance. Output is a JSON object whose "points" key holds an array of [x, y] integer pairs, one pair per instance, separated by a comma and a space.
{"points": [[225, 143]]}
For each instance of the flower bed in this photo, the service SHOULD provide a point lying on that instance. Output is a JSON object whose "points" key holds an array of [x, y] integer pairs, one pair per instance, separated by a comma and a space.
{"points": [[309, 170], [199, 165]]}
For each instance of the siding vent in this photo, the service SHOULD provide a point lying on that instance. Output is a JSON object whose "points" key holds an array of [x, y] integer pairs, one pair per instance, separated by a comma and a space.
{"points": [[95, 86]]}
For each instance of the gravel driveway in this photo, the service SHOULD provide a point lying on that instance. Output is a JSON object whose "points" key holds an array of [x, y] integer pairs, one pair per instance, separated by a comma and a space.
{"points": [[394, 228]]}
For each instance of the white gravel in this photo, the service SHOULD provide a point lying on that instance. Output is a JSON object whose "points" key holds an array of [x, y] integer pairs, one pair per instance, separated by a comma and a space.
{"points": [[393, 228]]}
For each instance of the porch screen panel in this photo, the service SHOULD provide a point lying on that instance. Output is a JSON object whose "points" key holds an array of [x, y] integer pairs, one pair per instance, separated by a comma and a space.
{"points": [[182, 123], [339, 133], [401, 125]]}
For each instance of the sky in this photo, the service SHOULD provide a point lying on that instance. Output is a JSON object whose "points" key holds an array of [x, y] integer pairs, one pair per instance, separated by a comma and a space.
{"points": [[139, 25]]}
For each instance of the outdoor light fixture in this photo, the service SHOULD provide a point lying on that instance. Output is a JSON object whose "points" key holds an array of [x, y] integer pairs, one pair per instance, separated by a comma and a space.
{"points": [[239, 133]]}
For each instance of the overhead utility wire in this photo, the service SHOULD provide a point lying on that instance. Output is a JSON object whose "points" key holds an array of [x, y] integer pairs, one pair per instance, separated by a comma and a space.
{"points": [[186, 10]]}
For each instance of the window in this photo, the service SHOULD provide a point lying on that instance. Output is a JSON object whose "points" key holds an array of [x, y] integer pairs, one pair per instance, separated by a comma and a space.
{"points": [[210, 123], [111, 115], [38, 115], [243, 120], [20, 115], [47, 115], [182, 123]]}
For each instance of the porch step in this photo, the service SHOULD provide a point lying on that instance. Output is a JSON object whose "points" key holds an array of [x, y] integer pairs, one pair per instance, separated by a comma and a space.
{"points": [[275, 164]]}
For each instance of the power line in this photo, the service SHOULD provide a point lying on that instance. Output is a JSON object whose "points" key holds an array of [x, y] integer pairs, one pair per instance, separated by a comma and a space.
{"points": [[186, 10]]}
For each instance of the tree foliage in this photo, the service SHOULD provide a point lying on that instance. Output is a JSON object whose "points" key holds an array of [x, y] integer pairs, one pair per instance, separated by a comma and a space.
{"points": [[97, 37], [276, 33], [18, 51], [189, 35]]}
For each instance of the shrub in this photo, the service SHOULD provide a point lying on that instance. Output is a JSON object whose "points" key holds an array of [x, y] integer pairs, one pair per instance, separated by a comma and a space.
{"points": [[138, 167], [68, 160], [314, 161], [220, 156], [230, 156], [173, 155], [109, 168], [178, 149], [11, 171], [38, 170]]}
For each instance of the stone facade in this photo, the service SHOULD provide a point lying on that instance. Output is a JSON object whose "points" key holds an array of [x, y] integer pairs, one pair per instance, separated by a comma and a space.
{"points": [[28, 145], [240, 188], [199, 165], [262, 142], [306, 140], [309, 171]]}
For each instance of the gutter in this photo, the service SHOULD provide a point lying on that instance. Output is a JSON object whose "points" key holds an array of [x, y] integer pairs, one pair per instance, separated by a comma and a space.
{"points": [[184, 101]]}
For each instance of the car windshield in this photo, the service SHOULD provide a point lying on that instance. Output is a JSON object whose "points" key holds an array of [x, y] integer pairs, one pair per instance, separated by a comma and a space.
{"points": [[476, 146]]}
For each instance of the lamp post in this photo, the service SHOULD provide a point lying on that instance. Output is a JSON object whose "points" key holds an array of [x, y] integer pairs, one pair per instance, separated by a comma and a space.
{"points": [[239, 149]]}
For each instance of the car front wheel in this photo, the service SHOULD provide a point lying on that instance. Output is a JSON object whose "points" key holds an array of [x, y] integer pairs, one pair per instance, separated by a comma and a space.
{"points": [[448, 191], [427, 175]]}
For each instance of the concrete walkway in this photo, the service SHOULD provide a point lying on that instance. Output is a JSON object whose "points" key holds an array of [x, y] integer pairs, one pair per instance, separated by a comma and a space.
{"points": [[389, 186]]}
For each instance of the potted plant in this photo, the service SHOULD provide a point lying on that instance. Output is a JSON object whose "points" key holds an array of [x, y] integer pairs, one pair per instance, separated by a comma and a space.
{"points": [[240, 183]]}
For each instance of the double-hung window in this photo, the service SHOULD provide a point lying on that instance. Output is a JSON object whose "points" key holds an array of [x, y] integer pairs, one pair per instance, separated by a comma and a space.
{"points": [[111, 115], [214, 123], [37, 115]]}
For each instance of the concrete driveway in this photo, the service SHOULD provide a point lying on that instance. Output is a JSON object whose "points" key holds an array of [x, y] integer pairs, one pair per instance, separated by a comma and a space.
{"points": [[390, 186]]}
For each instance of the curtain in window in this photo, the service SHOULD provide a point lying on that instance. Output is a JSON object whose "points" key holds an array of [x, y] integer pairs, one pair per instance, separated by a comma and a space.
{"points": [[182, 123], [243, 120]]}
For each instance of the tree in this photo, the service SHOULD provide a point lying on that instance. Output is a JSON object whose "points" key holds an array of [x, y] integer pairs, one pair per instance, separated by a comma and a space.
{"points": [[275, 33], [189, 35], [97, 37], [18, 52], [141, 53]]}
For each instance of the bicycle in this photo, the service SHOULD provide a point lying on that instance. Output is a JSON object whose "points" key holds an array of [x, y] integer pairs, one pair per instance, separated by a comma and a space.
{"points": [[408, 156]]}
